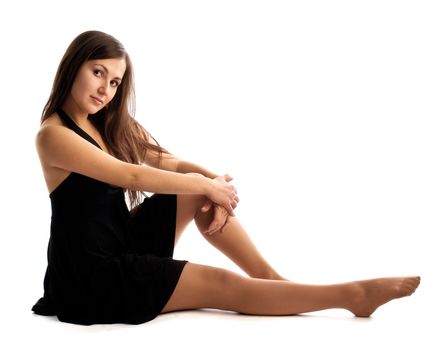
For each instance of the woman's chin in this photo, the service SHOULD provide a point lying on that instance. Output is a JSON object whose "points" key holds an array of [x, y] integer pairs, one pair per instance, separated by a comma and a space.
{"points": [[93, 109]]}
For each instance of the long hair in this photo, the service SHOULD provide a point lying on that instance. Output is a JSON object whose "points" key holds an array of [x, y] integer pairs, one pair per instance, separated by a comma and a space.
{"points": [[126, 138]]}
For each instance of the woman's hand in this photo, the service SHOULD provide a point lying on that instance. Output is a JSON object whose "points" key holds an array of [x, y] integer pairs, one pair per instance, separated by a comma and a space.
{"points": [[220, 217], [223, 194]]}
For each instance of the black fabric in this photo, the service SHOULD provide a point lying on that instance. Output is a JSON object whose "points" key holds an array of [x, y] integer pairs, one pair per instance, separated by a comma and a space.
{"points": [[106, 264]]}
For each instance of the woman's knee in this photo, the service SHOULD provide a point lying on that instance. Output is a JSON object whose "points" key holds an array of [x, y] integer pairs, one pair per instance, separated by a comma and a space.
{"points": [[219, 278], [208, 277], [222, 287], [188, 209], [200, 199], [191, 203]]}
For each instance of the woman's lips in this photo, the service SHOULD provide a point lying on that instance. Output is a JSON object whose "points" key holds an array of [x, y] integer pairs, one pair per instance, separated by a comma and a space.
{"points": [[97, 100]]}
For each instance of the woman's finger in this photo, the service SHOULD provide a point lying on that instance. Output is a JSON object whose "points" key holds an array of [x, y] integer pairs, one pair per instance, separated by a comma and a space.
{"points": [[228, 178], [229, 209], [206, 207], [219, 220]]}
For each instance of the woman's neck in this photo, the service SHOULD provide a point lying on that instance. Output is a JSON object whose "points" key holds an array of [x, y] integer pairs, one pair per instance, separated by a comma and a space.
{"points": [[73, 110]]}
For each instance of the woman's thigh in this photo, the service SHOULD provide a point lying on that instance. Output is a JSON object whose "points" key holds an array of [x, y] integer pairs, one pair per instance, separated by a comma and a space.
{"points": [[202, 286]]}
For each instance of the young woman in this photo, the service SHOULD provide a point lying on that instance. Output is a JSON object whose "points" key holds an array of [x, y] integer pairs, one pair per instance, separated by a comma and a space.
{"points": [[110, 263]]}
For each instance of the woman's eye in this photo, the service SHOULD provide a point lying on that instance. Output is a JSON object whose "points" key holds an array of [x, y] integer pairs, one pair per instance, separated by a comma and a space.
{"points": [[114, 83], [98, 72]]}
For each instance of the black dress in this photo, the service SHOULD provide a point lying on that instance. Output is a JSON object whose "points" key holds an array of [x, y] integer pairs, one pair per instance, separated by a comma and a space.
{"points": [[106, 264]]}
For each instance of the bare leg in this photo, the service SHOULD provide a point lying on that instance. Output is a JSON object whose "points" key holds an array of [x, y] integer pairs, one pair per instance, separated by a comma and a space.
{"points": [[207, 287], [233, 240]]}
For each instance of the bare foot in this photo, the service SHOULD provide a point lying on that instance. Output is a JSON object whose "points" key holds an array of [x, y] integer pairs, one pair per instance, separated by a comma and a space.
{"points": [[376, 292]]}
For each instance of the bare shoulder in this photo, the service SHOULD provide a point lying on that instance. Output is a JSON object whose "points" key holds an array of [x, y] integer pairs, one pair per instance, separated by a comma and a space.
{"points": [[52, 127], [52, 120], [48, 124], [53, 175]]}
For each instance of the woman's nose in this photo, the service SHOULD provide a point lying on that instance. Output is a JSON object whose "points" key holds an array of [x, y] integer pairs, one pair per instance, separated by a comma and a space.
{"points": [[103, 90]]}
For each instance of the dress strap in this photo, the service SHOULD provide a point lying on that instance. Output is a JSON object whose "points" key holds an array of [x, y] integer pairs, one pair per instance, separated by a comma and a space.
{"points": [[70, 123]]}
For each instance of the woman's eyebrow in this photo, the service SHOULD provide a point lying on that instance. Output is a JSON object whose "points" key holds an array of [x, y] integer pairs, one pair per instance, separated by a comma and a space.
{"points": [[107, 70]]}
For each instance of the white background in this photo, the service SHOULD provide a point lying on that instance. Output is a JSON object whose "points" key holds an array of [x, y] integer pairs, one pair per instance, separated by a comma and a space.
{"points": [[330, 115]]}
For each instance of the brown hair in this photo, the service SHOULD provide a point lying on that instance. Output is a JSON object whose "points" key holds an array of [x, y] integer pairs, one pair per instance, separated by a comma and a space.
{"points": [[127, 139]]}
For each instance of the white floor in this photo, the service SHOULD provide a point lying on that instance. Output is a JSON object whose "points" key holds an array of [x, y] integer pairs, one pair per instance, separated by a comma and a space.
{"points": [[403, 325]]}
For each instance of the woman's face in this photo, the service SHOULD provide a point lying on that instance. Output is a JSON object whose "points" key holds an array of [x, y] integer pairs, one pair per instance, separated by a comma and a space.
{"points": [[96, 83]]}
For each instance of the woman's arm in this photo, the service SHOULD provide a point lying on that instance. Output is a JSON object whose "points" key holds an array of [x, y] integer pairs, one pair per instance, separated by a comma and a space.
{"points": [[62, 148], [185, 167], [170, 162]]}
